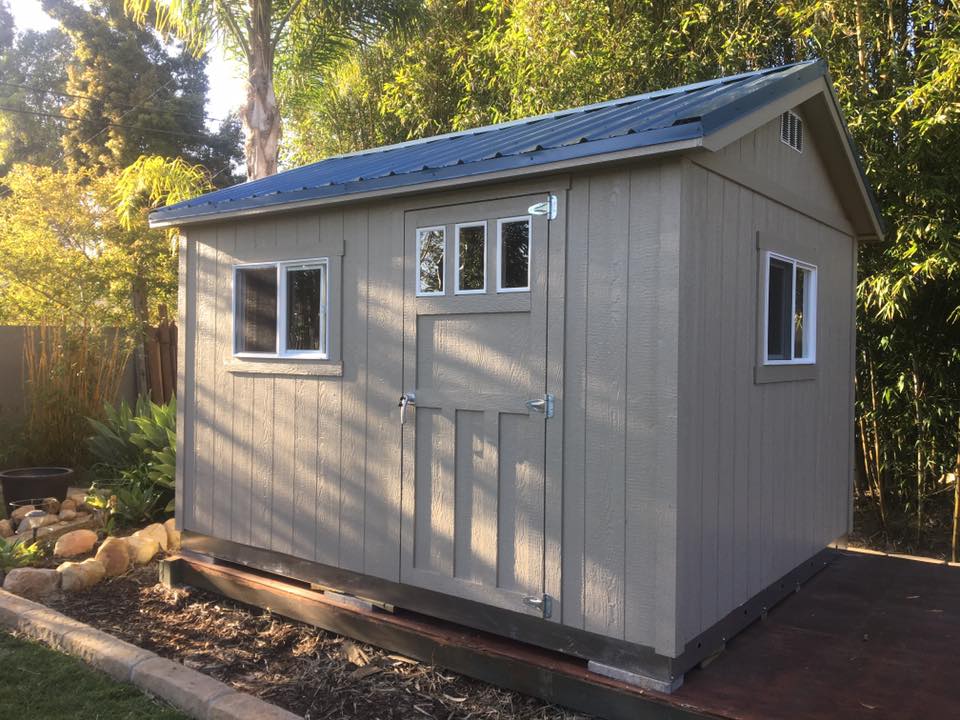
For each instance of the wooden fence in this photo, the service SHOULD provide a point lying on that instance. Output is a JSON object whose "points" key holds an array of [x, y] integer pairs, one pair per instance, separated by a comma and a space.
{"points": [[160, 349]]}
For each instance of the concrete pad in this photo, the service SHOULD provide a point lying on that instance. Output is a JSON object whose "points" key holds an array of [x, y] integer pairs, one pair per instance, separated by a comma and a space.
{"points": [[48, 626], [12, 607], [642, 681], [104, 652], [240, 706], [186, 689]]}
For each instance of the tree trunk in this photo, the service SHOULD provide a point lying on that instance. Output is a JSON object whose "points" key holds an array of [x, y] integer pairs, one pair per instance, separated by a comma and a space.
{"points": [[260, 115]]}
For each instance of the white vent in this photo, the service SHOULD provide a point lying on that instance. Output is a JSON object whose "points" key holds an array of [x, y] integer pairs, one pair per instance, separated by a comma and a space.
{"points": [[791, 130]]}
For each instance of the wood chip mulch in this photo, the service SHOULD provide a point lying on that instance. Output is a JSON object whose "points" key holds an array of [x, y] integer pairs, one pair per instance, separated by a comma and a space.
{"points": [[306, 670]]}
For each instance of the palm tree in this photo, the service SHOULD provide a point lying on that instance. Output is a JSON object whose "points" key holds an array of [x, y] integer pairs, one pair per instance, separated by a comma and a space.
{"points": [[260, 32]]}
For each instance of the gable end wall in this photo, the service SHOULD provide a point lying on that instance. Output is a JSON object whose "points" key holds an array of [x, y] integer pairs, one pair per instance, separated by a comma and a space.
{"points": [[764, 467]]}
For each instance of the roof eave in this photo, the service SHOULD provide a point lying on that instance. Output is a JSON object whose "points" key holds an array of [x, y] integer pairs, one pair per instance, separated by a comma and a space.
{"points": [[372, 189]]}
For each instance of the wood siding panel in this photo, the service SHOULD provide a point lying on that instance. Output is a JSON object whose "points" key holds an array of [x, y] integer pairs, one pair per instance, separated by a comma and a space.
{"points": [[606, 352], [384, 384], [353, 446], [764, 465], [311, 464], [651, 407], [204, 403]]}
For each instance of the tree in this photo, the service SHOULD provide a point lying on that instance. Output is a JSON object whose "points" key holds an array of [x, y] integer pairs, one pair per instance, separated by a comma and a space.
{"points": [[300, 33], [33, 78], [896, 67], [129, 94], [75, 244]]}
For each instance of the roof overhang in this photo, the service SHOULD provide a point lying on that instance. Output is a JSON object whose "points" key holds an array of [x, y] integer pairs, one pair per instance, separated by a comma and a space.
{"points": [[488, 171]]}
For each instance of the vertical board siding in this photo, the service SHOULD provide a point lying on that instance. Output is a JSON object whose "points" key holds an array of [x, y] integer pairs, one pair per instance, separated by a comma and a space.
{"points": [[619, 506], [384, 334], [353, 446], [605, 403], [574, 394], [764, 465], [310, 465], [222, 390]]}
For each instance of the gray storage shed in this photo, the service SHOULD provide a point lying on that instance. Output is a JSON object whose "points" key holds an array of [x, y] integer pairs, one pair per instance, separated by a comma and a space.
{"points": [[623, 339]]}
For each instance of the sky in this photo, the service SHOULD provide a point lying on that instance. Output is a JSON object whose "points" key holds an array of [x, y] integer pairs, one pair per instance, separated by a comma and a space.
{"points": [[226, 85]]}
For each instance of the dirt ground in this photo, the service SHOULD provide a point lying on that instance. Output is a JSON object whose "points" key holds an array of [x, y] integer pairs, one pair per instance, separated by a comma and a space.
{"points": [[308, 671]]}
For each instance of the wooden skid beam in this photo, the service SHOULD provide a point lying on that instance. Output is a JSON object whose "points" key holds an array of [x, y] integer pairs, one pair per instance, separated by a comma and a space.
{"points": [[555, 678]]}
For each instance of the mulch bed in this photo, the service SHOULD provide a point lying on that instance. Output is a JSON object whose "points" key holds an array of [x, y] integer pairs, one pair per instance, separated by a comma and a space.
{"points": [[306, 670]]}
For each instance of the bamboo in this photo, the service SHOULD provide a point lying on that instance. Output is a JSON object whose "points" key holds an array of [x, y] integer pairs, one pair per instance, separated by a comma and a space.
{"points": [[956, 500]]}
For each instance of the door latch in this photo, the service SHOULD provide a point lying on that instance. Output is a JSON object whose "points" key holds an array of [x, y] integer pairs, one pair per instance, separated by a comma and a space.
{"points": [[406, 400], [548, 208], [544, 603], [544, 405]]}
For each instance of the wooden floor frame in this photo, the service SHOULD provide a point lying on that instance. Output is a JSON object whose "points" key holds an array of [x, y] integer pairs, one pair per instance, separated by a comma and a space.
{"points": [[551, 676]]}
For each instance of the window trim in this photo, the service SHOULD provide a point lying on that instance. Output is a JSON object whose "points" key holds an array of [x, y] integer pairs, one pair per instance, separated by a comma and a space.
{"points": [[456, 257], [280, 348], [500, 222], [810, 323], [419, 236]]}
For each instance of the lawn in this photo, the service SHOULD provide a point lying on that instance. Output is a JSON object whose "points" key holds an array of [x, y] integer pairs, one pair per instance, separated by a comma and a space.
{"points": [[42, 683]]}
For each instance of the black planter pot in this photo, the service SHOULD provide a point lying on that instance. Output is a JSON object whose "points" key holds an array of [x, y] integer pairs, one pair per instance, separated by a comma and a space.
{"points": [[36, 482]]}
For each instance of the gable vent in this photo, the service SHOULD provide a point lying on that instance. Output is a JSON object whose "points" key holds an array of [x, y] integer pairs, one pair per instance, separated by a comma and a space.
{"points": [[791, 130]]}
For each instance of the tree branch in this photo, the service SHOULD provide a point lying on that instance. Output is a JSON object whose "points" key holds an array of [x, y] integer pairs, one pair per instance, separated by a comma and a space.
{"points": [[283, 21]]}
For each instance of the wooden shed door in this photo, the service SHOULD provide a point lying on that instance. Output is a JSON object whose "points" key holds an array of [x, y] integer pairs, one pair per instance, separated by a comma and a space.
{"points": [[475, 363]]}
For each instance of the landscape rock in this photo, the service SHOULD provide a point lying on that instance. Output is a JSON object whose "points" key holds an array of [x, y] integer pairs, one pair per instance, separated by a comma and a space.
{"points": [[29, 523], [50, 505], [68, 504], [6, 528], [67, 515], [156, 531], [32, 582], [75, 542], [80, 576], [142, 548], [173, 535], [115, 556], [21, 512], [78, 498]]}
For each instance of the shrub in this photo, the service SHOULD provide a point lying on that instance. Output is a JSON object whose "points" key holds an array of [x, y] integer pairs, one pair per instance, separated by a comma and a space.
{"points": [[18, 554], [134, 450]]}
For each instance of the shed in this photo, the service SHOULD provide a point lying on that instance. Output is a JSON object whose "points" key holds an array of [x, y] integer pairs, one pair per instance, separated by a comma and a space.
{"points": [[621, 338]]}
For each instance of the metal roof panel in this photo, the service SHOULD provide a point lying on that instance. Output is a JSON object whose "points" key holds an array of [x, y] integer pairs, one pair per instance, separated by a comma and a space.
{"points": [[645, 120]]}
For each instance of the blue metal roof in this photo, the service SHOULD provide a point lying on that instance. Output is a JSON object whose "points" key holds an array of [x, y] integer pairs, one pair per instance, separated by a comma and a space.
{"points": [[655, 118]]}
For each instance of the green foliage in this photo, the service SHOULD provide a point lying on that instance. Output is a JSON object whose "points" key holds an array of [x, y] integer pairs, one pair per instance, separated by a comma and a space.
{"points": [[19, 554], [896, 68], [131, 94], [33, 73], [135, 460]]}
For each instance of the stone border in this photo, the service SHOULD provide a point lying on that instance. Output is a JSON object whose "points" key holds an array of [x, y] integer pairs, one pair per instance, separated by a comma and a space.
{"points": [[199, 696]]}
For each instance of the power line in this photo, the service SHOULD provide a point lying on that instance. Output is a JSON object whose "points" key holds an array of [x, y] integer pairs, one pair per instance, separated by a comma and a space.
{"points": [[139, 128], [61, 93]]}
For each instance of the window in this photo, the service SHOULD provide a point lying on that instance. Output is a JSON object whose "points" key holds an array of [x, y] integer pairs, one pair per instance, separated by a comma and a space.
{"points": [[431, 245], [790, 311], [513, 254], [791, 130], [280, 309], [471, 258]]}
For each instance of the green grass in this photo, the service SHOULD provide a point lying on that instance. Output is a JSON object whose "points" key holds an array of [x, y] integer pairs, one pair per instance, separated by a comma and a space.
{"points": [[37, 682]]}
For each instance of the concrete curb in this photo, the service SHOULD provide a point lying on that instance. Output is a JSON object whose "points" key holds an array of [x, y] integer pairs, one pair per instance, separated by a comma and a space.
{"points": [[199, 696]]}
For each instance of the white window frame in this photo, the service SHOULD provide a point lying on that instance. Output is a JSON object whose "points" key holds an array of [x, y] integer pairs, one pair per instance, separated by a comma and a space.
{"points": [[456, 258], [420, 233], [500, 222], [809, 315], [280, 349]]}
